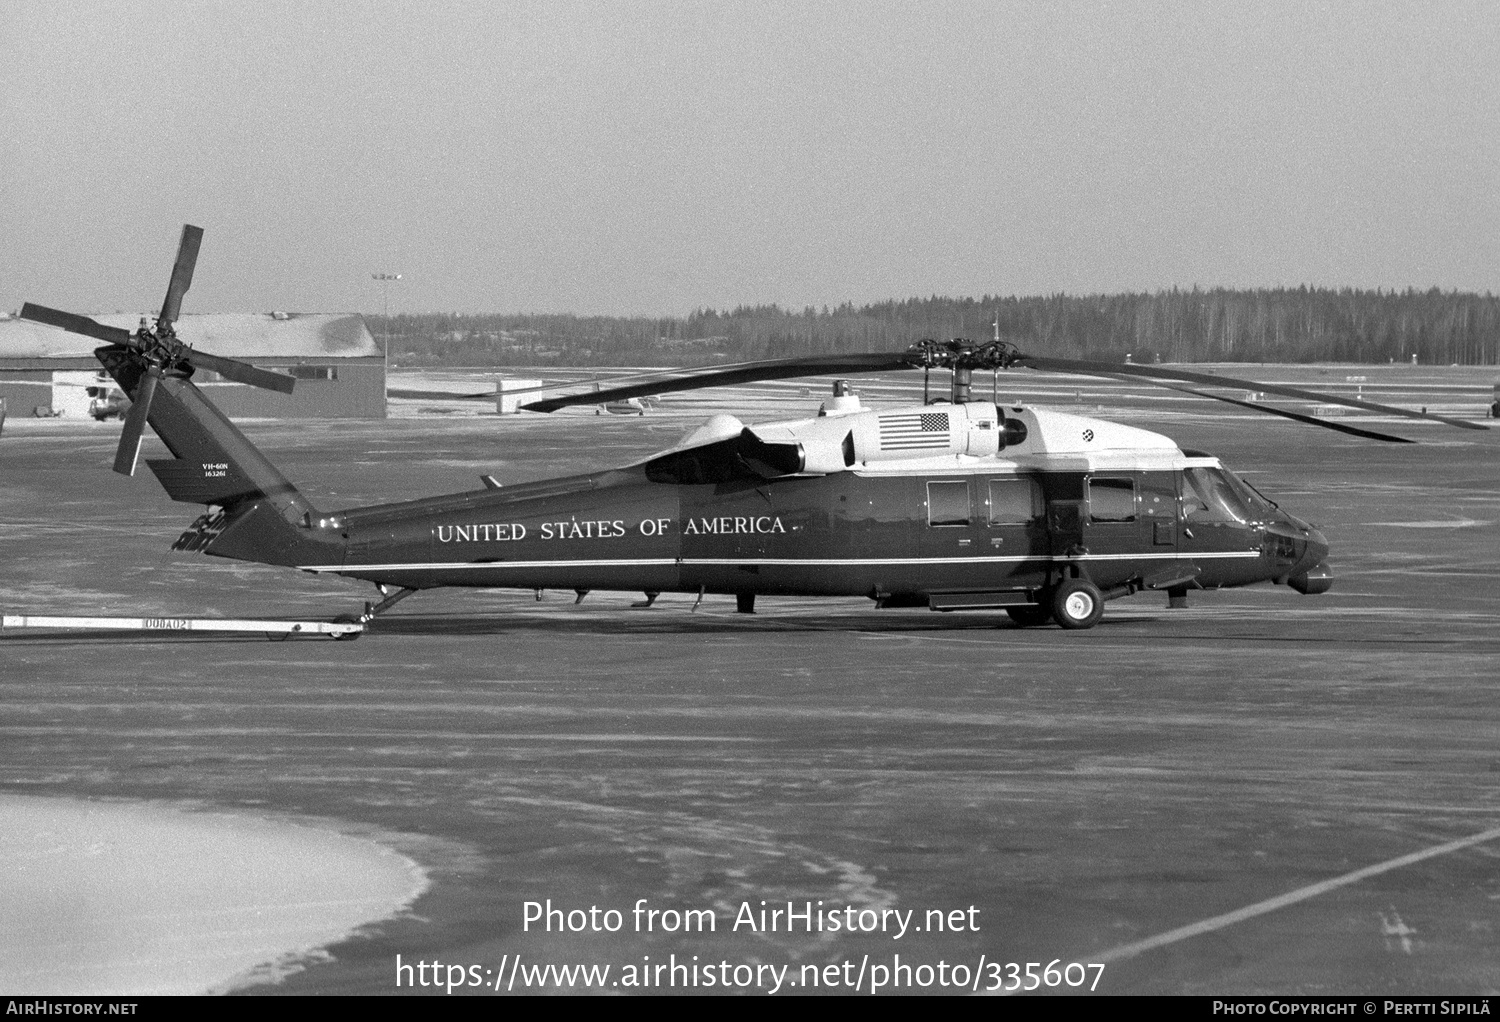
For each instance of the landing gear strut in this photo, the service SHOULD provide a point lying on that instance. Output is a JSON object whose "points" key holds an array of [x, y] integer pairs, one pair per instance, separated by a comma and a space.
{"points": [[372, 609], [384, 605]]}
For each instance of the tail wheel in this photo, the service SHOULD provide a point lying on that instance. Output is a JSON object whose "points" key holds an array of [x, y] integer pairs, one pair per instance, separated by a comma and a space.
{"points": [[1077, 603]]}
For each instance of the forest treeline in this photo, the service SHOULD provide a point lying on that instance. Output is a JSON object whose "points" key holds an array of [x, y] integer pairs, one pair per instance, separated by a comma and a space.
{"points": [[1282, 325]]}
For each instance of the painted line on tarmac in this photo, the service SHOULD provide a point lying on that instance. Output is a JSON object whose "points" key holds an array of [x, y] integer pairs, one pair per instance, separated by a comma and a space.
{"points": [[1290, 898], [1280, 901]]}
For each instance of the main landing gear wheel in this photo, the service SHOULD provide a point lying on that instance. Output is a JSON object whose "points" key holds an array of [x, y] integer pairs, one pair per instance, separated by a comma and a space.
{"points": [[1030, 616], [1077, 603]]}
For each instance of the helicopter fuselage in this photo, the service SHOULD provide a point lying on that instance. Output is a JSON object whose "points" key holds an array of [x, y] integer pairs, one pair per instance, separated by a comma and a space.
{"points": [[732, 511]]}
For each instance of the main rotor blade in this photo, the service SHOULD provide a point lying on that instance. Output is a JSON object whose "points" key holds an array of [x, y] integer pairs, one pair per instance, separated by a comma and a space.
{"points": [[726, 376], [135, 425], [75, 323], [442, 395], [182, 273], [240, 372], [1341, 427], [1158, 373]]}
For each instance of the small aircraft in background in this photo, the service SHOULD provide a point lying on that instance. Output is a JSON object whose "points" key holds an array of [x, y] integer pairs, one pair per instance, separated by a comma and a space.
{"points": [[952, 504], [105, 400], [627, 406]]}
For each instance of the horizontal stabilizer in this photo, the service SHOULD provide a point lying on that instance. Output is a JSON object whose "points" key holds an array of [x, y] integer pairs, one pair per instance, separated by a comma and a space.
{"points": [[194, 482]]}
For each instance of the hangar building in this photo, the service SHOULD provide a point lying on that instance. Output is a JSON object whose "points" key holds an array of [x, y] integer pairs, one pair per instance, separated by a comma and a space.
{"points": [[339, 368]]}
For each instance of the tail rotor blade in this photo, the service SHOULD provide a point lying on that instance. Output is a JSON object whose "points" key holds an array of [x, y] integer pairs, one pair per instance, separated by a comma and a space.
{"points": [[75, 323], [240, 372], [182, 272], [135, 426]]}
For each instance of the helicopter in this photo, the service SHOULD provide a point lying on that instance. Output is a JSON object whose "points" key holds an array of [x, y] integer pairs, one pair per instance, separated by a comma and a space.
{"points": [[956, 504]]}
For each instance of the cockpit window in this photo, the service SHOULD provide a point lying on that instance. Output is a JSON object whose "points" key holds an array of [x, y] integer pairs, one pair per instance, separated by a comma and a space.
{"points": [[1217, 495], [1252, 498]]}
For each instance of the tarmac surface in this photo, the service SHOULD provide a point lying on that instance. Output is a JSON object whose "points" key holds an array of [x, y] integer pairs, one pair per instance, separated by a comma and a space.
{"points": [[1263, 793], [125, 898]]}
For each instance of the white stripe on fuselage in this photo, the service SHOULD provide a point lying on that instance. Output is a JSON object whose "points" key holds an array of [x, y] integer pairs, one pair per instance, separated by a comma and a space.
{"points": [[820, 562]]}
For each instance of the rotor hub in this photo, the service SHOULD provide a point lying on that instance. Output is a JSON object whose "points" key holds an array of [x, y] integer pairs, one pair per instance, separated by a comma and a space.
{"points": [[160, 348], [962, 356], [157, 346], [962, 353]]}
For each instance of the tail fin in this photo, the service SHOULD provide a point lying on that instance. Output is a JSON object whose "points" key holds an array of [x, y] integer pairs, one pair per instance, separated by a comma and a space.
{"points": [[255, 513]]}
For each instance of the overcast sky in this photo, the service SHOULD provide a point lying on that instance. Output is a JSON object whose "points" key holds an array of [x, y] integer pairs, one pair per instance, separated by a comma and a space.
{"points": [[651, 158]]}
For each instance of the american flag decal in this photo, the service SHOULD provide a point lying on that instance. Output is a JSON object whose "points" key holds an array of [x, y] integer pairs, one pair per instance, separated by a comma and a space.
{"points": [[914, 431]]}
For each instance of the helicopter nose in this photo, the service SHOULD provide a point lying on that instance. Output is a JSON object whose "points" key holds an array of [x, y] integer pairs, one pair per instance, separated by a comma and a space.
{"points": [[1312, 574], [1317, 546]]}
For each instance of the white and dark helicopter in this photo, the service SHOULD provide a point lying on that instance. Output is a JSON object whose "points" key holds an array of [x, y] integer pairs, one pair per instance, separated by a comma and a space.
{"points": [[957, 505]]}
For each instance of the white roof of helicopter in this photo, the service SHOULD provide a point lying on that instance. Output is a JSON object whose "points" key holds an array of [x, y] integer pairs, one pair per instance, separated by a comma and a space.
{"points": [[1054, 440], [952, 439]]}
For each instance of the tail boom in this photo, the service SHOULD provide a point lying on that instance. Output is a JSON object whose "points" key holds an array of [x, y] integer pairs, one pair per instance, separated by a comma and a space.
{"points": [[254, 512]]}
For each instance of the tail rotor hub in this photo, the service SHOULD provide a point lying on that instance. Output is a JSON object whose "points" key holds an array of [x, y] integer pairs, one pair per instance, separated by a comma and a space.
{"points": [[155, 350]]}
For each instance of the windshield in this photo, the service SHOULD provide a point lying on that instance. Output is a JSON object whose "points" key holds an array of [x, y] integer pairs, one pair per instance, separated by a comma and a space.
{"points": [[1254, 489], [1257, 502], [1218, 495]]}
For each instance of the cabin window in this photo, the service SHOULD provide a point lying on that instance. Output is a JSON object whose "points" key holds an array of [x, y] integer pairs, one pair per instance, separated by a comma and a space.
{"points": [[1111, 499], [1158, 495], [1016, 501], [948, 503]]}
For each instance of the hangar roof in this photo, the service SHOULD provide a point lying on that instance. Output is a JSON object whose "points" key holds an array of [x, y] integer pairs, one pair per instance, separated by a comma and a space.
{"points": [[241, 335]]}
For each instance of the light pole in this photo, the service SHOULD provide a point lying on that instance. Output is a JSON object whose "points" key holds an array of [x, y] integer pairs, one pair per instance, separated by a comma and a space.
{"points": [[385, 311]]}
